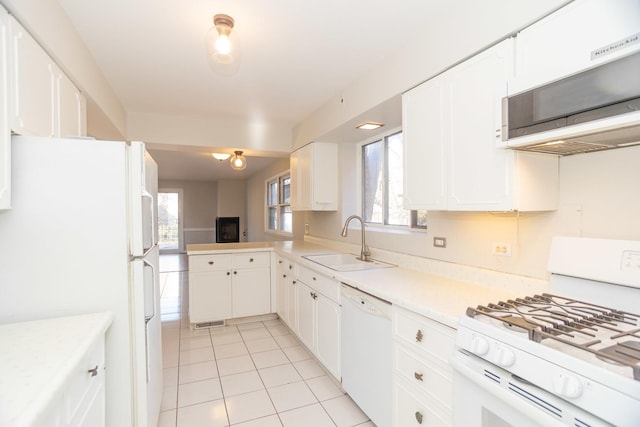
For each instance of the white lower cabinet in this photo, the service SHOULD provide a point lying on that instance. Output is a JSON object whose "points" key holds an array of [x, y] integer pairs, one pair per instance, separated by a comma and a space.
{"points": [[422, 374], [285, 291], [318, 315], [225, 286]]}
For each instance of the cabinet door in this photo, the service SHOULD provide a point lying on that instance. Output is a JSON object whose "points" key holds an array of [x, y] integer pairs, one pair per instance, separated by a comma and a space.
{"points": [[328, 334], [314, 177], [209, 296], [251, 292], [423, 110], [33, 82], [71, 108], [300, 168], [281, 288], [546, 51], [306, 306], [5, 130], [480, 176]]}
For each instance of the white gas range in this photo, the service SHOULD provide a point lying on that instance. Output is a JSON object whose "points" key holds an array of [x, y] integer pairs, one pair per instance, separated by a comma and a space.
{"points": [[570, 357]]}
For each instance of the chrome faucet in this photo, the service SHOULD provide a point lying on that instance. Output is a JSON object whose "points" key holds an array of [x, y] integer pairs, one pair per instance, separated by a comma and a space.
{"points": [[364, 251]]}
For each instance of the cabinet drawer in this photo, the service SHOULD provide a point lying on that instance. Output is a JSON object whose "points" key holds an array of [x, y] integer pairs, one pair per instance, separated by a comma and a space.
{"points": [[85, 383], [423, 335], [410, 409], [435, 381], [251, 260], [209, 262], [323, 284]]}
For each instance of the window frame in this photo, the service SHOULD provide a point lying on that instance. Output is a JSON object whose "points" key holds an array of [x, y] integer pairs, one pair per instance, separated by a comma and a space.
{"points": [[413, 214], [279, 178]]}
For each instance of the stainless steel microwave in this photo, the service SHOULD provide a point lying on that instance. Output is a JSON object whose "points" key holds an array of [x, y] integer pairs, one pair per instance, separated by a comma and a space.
{"points": [[592, 110]]}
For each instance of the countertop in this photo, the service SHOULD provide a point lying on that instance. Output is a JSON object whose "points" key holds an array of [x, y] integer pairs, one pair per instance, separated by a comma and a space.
{"points": [[36, 360], [442, 297]]}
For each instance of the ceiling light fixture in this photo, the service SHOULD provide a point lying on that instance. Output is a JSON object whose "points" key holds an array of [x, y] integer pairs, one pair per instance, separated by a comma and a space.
{"points": [[223, 49], [221, 156], [238, 161], [369, 125]]}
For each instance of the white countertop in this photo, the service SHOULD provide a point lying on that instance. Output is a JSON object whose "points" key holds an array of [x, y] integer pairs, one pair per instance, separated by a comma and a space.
{"points": [[441, 297], [37, 358]]}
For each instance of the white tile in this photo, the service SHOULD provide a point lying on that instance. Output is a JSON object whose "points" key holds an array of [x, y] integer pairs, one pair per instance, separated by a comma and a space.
{"points": [[291, 396], [196, 355], [198, 392], [278, 330], [324, 388], [169, 398], [185, 333], [167, 419], [344, 412], [307, 416], [272, 322], [170, 359], [278, 375], [221, 330], [197, 372], [210, 414], [254, 334], [235, 365], [296, 353], [249, 325], [267, 359], [244, 382], [262, 344], [170, 377], [249, 406], [226, 338], [309, 369], [286, 340], [270, 421], [195, 342], [366, 424], [224, 351]]}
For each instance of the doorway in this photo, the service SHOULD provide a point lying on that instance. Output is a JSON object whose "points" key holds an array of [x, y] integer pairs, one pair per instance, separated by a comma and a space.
{"points": [[170, 235]]}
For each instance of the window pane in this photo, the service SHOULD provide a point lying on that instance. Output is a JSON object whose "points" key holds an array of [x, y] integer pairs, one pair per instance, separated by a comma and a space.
{"points": [[286, 190], [286, 219], [272, 193], [271, 220], [372, 182], [397, 215], [419, 219]]}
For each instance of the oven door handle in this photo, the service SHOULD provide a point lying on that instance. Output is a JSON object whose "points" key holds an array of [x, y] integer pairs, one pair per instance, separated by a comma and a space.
{"points": [[502, 394]]}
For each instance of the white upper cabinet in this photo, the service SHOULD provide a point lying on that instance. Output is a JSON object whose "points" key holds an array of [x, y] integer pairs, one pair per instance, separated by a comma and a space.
{"points": [[581, 35], [451, 124], [314, 177], [44, 101], [5, 130]]}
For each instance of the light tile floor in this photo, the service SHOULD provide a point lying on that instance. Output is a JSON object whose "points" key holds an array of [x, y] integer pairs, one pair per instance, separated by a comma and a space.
{"points": [[247, 375]]}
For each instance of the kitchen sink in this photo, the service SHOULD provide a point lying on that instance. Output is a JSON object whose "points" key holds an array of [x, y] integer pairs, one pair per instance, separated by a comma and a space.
{"points": [[346, 262]]}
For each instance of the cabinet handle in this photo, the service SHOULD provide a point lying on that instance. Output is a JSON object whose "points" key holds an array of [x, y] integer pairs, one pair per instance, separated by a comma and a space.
{"points": [[280, 261], [235, 272], [94, 371], [290, 266], [314, 278], [210, 262], [418, 376], [284, 275], [228, 273], [419, 336], [294, 282], [418, 417], [250, 259]]}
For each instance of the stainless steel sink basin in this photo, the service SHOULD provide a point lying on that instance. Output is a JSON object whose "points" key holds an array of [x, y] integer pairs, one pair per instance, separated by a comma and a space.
{"points": [[346, 262]]}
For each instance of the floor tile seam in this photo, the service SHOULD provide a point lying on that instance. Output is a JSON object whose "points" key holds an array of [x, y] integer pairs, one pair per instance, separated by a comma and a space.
{"points": [[311, 404]]}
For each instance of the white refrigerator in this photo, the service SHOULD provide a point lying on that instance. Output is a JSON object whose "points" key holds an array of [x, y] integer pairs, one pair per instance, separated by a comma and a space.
{"points": [[81, 238]]}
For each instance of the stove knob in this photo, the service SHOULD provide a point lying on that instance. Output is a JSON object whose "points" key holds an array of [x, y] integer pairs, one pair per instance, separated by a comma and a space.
{"points": [[505, 357], [567, 386], [479, 346]]}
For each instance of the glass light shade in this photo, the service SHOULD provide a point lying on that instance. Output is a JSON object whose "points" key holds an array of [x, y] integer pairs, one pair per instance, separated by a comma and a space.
{"points": [[238, 161], [223, 49], [221, 156]]}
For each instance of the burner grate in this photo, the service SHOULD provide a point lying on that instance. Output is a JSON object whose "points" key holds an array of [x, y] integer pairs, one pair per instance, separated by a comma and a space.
{"points": [[592, 328]]}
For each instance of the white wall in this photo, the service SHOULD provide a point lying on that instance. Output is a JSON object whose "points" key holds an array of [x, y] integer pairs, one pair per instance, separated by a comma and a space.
{"points": [[232, 201], [599, 197]]}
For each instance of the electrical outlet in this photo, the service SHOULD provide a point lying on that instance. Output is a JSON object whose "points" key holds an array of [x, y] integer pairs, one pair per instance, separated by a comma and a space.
{"points": [[502, 249], [440, 242]]}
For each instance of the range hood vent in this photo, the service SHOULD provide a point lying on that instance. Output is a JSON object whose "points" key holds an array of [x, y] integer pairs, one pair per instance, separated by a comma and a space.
{"points": [[597, 109]]}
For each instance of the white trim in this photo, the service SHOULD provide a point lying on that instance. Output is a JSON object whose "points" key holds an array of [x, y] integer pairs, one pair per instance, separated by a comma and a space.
{"points": [[276, 178]]}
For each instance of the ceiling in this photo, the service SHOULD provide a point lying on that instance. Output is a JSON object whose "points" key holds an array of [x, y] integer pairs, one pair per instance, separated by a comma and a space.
{"points": [[296, 55]]}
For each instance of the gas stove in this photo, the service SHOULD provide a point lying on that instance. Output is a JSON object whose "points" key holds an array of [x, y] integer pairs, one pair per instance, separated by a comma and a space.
{"points": [[579, 344]]}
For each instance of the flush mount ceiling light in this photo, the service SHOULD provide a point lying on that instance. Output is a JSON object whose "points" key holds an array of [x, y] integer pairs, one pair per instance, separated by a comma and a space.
{"points": [[369, 125], [223, 49], [238, 161], [221, 156]]}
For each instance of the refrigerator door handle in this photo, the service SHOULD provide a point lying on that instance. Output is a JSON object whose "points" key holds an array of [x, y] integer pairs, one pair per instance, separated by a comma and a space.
{"points": [[147, 264], [149, 237]]}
